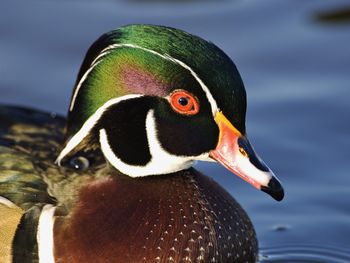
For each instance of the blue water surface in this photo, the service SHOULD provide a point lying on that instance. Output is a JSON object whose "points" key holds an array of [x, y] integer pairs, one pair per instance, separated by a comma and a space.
{"points": [[296, 70]]}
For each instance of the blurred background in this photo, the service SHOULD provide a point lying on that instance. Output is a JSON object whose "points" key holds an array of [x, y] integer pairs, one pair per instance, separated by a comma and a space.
{"points": [[294, 58]]}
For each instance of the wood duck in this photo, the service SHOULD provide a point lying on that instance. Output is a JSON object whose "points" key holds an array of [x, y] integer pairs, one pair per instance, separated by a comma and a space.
{"points": [[114, 182]]}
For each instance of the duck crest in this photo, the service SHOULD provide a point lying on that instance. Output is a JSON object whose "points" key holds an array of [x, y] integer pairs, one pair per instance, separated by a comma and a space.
{"points": [[152, 57]]}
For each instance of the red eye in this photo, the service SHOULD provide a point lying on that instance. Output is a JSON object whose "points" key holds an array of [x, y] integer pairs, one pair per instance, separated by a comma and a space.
{"points": [[184, 102]]}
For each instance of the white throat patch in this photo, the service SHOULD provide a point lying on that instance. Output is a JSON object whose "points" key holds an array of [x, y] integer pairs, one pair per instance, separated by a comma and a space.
{"points": [[161, 161]]}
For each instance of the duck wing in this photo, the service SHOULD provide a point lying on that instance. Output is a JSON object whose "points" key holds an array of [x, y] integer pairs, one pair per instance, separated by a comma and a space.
{"points": [[29, 178]]}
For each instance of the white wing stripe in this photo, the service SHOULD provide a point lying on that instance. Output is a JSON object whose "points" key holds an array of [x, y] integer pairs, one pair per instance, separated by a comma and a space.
{"points": [[45, 235]]}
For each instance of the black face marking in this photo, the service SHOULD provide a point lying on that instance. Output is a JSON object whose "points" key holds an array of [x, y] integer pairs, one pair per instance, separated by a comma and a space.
{"points": [[253, 158], [186, 136], [125, 125]]}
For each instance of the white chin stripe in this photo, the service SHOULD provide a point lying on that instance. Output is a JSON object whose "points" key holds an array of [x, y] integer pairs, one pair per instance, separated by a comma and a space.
{"points": [[89, 124], [213, 104], [45, 235], [161, 161]]}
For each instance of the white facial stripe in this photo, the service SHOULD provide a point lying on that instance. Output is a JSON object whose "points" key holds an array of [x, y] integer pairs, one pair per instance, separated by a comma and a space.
{"points": [[155, 147], [89, 124], [45, 234], [213, 104], [161, 161], [81, 81]]}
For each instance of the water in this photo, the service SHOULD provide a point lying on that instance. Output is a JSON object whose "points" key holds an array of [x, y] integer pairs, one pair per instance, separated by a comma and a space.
{"points": [[296, 69]]}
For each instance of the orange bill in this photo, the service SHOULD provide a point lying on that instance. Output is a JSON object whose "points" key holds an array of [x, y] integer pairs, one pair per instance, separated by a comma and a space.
{"points": [[236, 153]]}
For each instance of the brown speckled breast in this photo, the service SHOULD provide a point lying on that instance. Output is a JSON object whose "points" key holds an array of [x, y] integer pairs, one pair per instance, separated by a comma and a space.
{"points": [[183, 217]]}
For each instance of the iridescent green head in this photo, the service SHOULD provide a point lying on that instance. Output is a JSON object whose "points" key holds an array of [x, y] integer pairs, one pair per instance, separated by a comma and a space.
{"points": [[155, 99], [147, 59]]}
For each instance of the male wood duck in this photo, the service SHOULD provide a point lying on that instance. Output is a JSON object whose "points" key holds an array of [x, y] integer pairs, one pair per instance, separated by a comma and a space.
{"points": [[116, 184]]}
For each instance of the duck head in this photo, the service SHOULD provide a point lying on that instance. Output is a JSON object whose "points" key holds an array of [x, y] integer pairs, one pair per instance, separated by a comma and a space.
{"points": [[156, 99]]}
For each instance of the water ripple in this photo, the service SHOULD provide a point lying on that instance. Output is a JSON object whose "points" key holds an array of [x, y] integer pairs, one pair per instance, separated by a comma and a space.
{"points": [[305, 253]]}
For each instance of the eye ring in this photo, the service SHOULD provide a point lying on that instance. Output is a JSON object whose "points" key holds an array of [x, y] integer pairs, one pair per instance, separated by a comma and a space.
{"points": [[183, 102]]}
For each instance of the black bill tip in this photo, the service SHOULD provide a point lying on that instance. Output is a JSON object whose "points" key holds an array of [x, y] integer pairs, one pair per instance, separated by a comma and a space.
{"points": [[274, 189]]}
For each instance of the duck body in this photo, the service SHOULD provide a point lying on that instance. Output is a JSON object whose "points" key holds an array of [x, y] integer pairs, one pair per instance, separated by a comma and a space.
{"points": [[104, 216], [114, 181]]}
